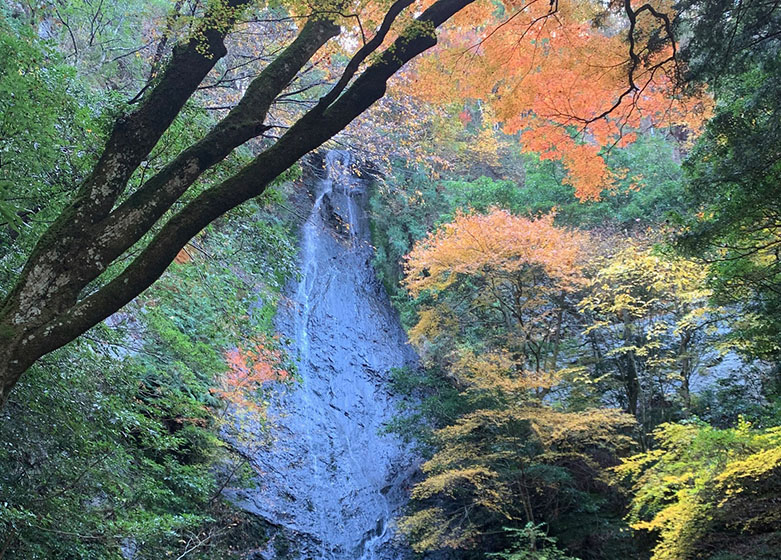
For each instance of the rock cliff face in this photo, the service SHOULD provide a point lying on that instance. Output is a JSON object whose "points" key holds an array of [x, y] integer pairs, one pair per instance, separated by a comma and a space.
{"points": [[331, 481]]}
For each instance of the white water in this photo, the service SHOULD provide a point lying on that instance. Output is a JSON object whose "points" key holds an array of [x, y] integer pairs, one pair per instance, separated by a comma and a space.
{"points": [[332, 481]]}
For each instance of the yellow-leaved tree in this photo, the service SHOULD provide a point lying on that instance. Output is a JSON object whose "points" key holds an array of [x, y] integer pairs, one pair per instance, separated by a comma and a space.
{"points": [[494, 293], [513, 461], [647, 316], [706, 492]]}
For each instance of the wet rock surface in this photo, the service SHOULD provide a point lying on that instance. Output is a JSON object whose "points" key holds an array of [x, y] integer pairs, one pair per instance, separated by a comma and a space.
{"points": [[331, 481]]}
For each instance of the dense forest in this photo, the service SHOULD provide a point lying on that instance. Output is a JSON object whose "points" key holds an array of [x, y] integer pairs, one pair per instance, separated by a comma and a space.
{"points": [[376, 279]]}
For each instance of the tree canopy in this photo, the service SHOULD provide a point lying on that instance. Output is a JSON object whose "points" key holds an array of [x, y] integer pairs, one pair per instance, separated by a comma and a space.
{"points": [[68, 283], [573, 207]]}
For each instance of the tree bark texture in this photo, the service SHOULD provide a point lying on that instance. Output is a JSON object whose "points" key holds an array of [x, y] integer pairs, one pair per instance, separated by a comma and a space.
{"points": [[48, 307]]}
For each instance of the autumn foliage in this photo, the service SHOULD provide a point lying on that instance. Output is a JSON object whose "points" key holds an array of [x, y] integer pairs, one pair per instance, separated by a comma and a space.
{"points": [[497, 241], [563, 76], [249, 368], [651, 313], [500, 299], [704, 489], [498, 269], [501, 465]]}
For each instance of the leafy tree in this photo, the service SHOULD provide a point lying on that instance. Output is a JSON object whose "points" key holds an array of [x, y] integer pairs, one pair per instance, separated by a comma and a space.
{"points": [[411, 200], [509, 273], [734, 178], [68, 283], [111, 445], [648, 318], [492, 292], [39, 107], [513, 460], [120, 443], [708, 493], [733, 173], [647, 185]]}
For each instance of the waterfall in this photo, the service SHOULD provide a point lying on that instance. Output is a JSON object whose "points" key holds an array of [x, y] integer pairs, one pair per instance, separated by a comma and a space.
{"points": [[329, 479]]}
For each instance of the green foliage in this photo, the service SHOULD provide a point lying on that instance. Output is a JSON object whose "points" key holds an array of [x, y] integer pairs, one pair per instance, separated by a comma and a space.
{"points": [[429, 400], [105, 41], [648, 187], [48, 133], [725, 40], [734, 176], [113, 443], [734, 172], [739, 394], [531, 543], [115, 452]]}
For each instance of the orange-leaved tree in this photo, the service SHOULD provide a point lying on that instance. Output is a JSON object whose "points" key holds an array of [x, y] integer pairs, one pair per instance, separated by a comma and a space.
{"points": [[499, 273], [249, 368], [572, 77]]}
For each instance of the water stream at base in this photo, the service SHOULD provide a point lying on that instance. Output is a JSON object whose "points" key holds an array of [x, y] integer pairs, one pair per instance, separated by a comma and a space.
{"points": [[330, 480]]}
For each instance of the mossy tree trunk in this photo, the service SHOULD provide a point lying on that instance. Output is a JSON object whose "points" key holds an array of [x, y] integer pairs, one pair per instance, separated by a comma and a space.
{"points": [[47, 307]]}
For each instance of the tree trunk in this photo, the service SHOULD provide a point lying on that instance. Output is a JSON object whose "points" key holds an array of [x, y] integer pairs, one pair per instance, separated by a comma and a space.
{"points": [[46, 308], [631, 380], [686, 368]]}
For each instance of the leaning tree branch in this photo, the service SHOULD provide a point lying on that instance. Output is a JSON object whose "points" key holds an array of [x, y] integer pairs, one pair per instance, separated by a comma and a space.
{"points": [[44, 311], [311, 130], [132, 219], [363, 52], [635, 60], [50, 280]]}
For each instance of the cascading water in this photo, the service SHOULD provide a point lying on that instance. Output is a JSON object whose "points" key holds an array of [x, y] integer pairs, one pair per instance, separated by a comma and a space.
{"points": [[330, 480]]}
